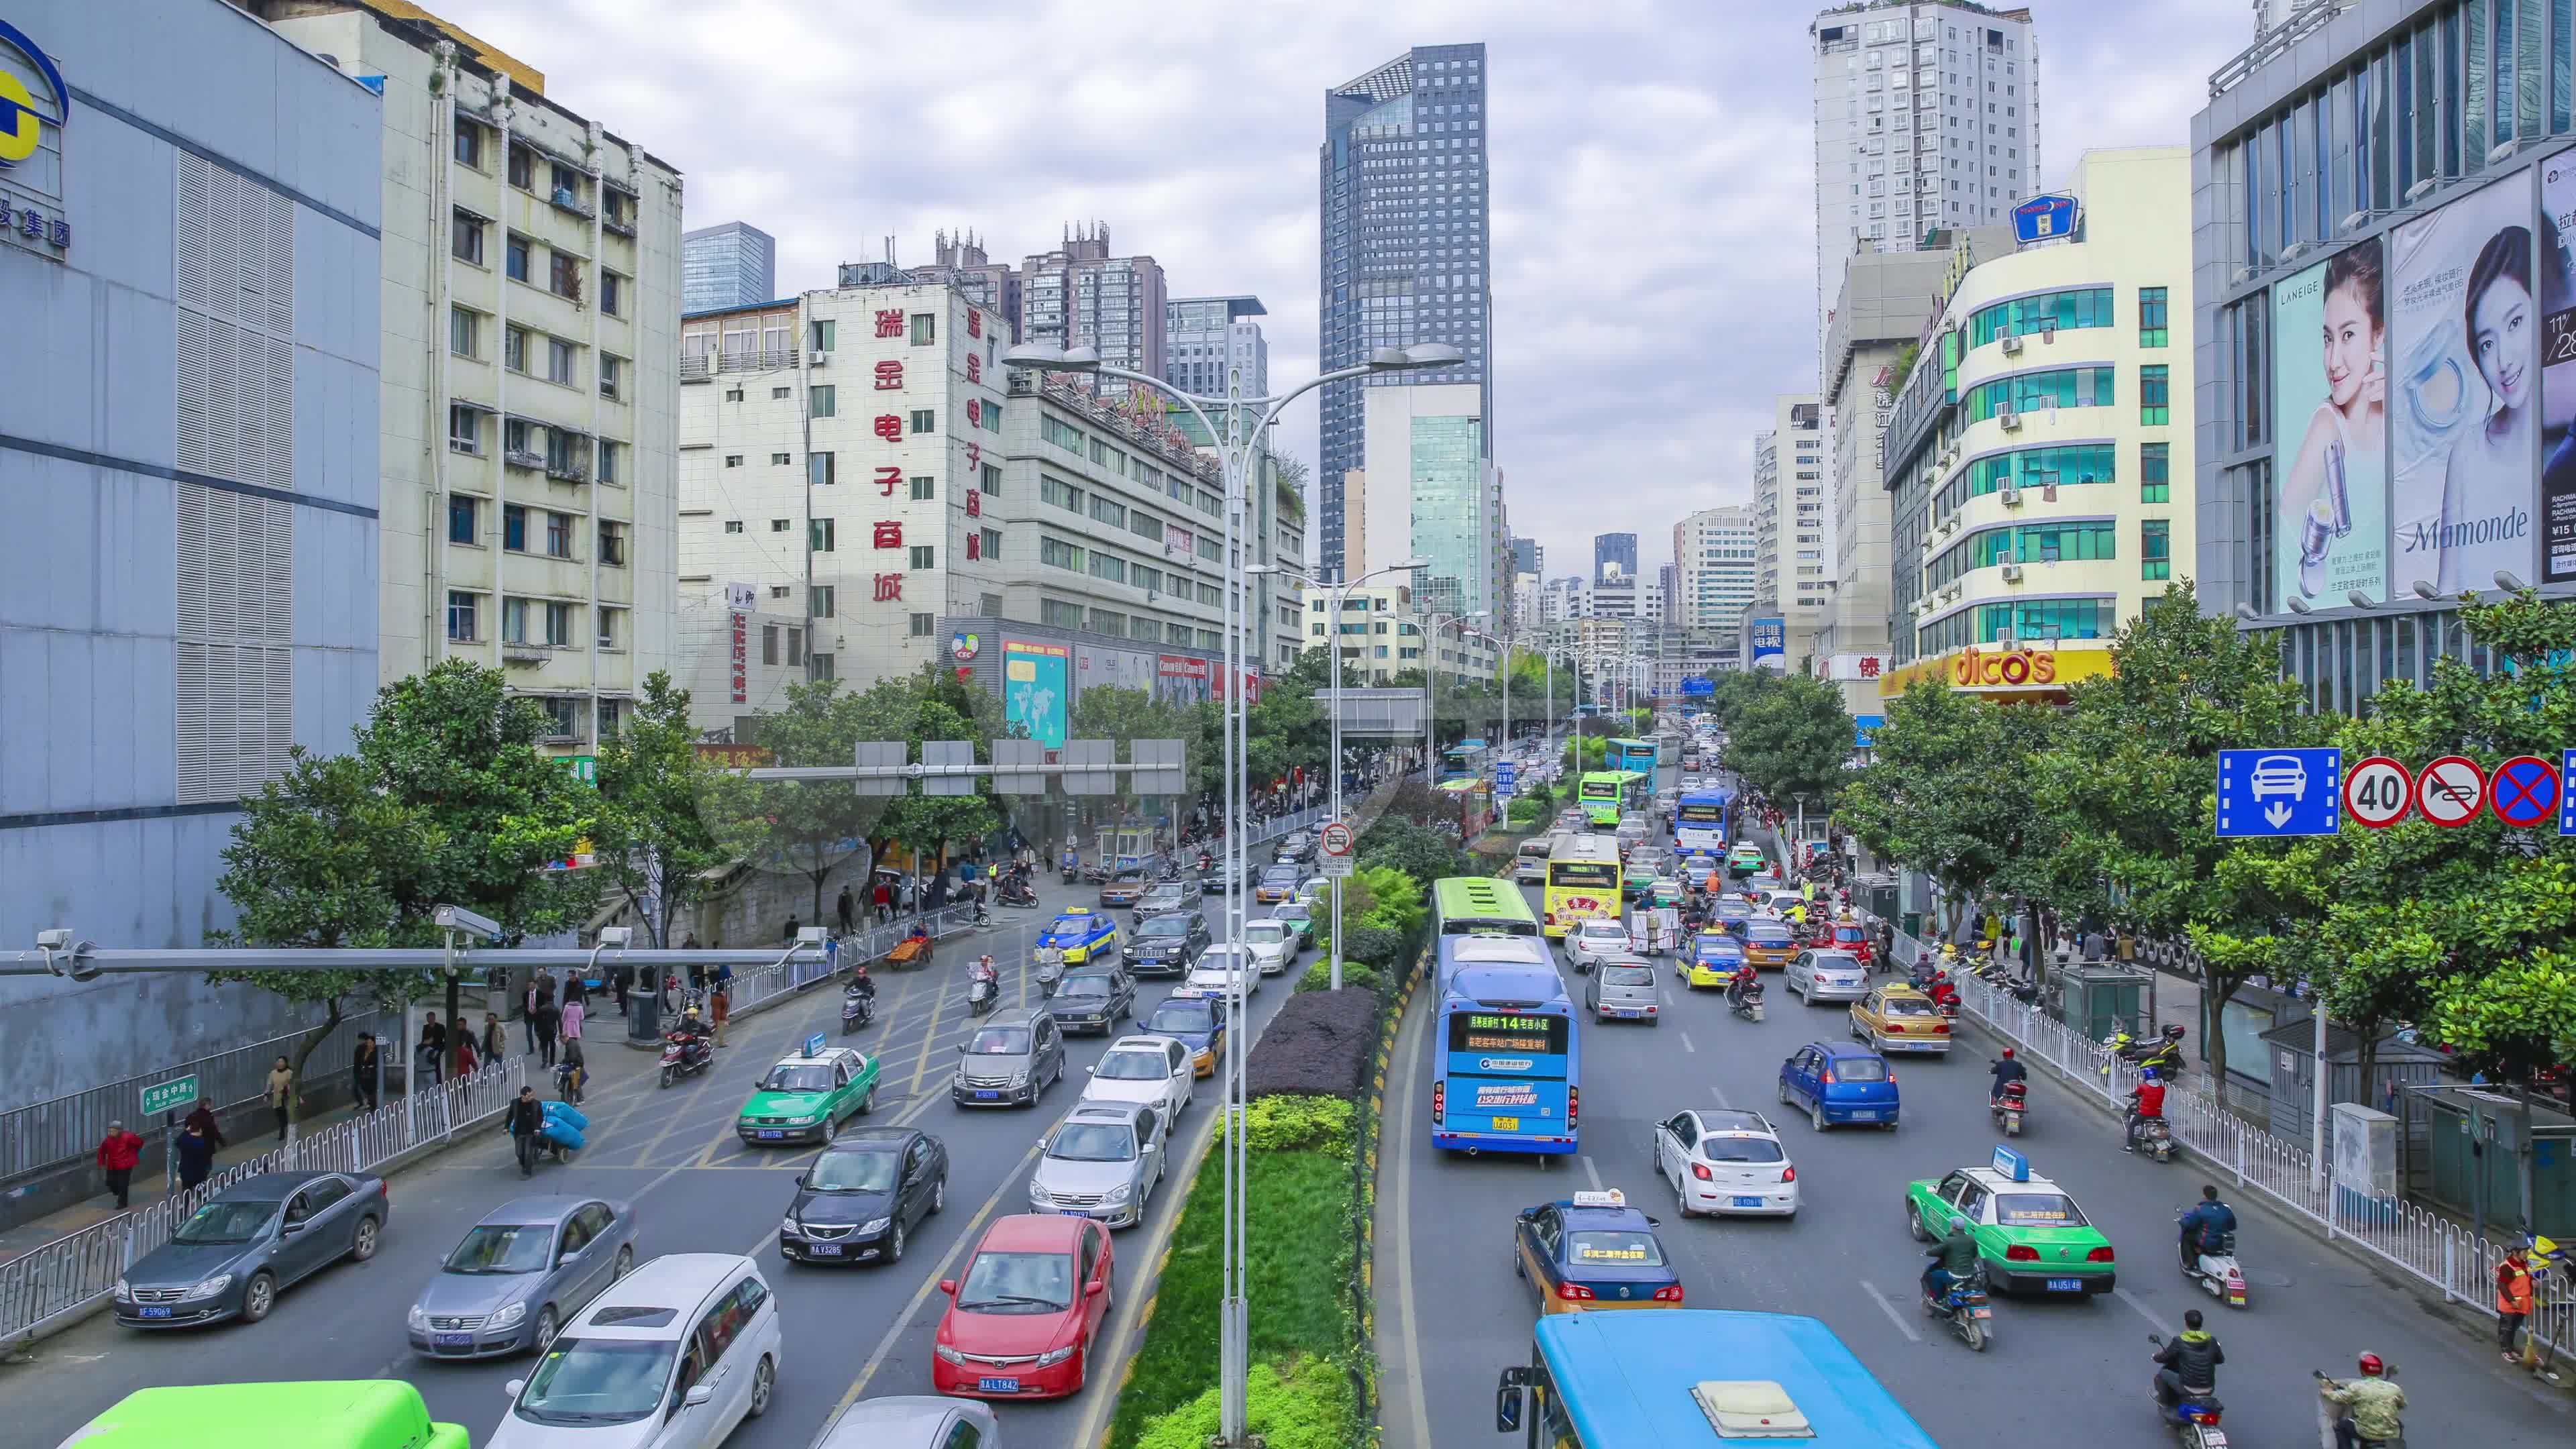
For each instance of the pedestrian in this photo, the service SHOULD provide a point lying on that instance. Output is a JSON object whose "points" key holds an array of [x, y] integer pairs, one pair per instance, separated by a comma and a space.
{"points": [[2128, 948], [2513, 1301], [720, 1007], [574, 1073], [465, 1058], [432, 1050], [574, 1009], [548, 1018], [846, 909], [618, 979], [362, 1077], [791, 930], [496, 1038], [196, 1155], [203, 1119], [881, 895], [280, 1094], [528, 1009], [527, 1124], [118, 1152]]}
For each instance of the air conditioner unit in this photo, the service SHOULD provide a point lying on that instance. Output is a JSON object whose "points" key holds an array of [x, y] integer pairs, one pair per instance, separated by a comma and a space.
{"points": [[2012, 573], [819, 359], [2012, 343], [2011, 497], [2010, 420]]}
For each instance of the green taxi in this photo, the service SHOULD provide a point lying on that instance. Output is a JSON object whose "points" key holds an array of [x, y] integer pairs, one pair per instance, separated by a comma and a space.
{"points": [[2030, 1235], [807, 1098]]}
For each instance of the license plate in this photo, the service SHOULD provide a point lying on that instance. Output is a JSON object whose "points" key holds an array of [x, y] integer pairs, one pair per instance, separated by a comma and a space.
{"points": [[1864, 1116], [155, 1312], [823, 1250], [2212, 1439], [453, 1340], [1074, 1212], [1507, 1124], [2065, 1285], [987, 1096], [771, 1134], [1748, 1202], [1981, 1312], [998, 1386]]}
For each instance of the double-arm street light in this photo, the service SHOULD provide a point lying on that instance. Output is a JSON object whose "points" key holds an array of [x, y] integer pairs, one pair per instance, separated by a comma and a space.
{"points": [[1431, 690], [1237, 443]]}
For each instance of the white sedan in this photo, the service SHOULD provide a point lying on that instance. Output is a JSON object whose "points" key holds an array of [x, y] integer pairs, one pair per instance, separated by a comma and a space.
{"points": [[1593, 940], [1726, 1162], [1216, 970], [1274, 944], [1815, 976], [1150, 1071]]}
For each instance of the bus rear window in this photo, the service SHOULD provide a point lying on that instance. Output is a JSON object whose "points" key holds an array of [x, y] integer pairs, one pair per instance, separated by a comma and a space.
{"points": [[1591, 874], [1495, 1031]]}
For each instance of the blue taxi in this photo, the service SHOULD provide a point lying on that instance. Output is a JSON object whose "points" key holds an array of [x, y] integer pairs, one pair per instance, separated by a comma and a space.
{"points": [[1196, 1020], [1713, 957], [1082, 934], [1590, 1252]]}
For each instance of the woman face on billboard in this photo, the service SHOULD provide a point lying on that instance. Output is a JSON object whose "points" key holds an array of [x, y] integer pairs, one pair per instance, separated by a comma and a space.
{"points": [[2500, 318], [2352, 344]]}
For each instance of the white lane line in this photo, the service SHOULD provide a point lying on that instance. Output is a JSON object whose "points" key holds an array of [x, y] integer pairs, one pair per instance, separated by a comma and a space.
{"points": [[1720, 1096], [1592, 1172], [2149, 1314], [1686, 1043], [1416, 1402], [1889, 1308]]}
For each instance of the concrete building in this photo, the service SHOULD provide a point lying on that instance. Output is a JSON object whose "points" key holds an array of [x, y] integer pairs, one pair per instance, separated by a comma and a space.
{"points": [[1204, 337], [1431, 492], [1381, 636], [190, 470], [1529, 556], [732, 265], [2041, 457], [531, 268], [1792, 531], [1614, 555], [1406, 243], [958, 259], [1713, 555], [1927, 115], [1080, 296], [1668, 594]]}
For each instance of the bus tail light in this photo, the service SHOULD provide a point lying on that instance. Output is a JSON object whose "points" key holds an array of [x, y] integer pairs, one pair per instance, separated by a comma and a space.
{"points": [[1550, 918], [1573, 1103], [1439, 1100], [2022, 1253], [1670, 1293], [1573, 1292]]}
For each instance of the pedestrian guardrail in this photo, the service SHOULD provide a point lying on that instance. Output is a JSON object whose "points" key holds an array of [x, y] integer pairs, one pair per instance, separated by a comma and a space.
{"points": [[51, 1286]]}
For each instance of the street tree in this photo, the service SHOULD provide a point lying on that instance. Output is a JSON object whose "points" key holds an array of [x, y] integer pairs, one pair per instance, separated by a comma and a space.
{"points": [[1790, 739], [1947, 792], [657, 843]]}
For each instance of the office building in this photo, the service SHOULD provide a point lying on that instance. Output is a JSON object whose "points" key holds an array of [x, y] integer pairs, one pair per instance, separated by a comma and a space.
{"points": [[1430, 493], [1614, 555], [1927, 116], [1668, 594], [1791, 529], [190, 472], [2041, 456], [1080, 296], [1405, 246], [958, 260], [530, 290], [1713, 556], [1529, 556], [733, 265], [1380, 636], [1204, 337]]}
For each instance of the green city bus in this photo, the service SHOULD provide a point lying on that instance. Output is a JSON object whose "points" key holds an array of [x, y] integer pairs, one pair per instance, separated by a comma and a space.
{"points": [[345, 1414]]}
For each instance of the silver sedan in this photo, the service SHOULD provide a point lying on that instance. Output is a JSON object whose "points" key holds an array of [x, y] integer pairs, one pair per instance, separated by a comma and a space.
{"points": [[520, 1274]]}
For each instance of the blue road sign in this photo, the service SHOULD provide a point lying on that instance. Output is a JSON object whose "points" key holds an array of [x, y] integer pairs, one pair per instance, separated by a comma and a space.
{"points": [[814, 1044], [2566, 798], [2044, 218], [1506, 776], [2279, 792], [2524, 792]]}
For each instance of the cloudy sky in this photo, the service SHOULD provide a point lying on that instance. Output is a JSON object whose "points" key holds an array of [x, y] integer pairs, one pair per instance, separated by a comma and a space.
{"points": [[1653, 208]]}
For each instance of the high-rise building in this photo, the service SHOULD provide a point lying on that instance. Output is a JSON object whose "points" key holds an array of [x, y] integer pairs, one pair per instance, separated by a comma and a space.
{"points": [[1791, 528], [1080, 296], [1406, 246], [731, 265], [1668, 594], [1614, 555], [1431, 494], [1529, 556], [1713, 558], [958, 259], [1204, 337], [1927, 115]]}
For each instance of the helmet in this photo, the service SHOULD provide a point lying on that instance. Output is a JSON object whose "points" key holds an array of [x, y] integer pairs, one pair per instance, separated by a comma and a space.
{"points": [[2174, 1032], [2008, 1055], [2371, 1367], [2148, 1075]]}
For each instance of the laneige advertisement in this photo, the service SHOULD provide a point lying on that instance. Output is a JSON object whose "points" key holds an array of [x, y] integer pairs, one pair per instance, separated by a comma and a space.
{"points": [[2330, 393], [2465, 407], [2558, 370]]}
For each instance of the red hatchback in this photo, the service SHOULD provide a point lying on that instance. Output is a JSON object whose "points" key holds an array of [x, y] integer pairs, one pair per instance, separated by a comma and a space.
{"points": [[1855, 939], [1021, 1320]]}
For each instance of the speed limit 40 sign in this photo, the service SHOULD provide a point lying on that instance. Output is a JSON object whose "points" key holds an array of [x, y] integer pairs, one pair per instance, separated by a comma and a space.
{"points": [[2378, 792]]}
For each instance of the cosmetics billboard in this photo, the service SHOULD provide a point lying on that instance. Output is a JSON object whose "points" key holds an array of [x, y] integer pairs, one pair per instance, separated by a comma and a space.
{"points": [[2464, 405], [2558, 369], [2330, 391]]}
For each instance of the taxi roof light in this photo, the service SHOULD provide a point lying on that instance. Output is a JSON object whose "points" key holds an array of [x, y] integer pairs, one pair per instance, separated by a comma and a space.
{"points": [[1608, 1197]]}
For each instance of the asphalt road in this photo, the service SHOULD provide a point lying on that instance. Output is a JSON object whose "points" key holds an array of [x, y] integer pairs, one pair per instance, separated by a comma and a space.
{"points": [[850, 1333], [1451, 1313]]}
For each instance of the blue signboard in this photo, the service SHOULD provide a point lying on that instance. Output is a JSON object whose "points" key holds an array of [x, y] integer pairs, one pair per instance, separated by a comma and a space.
{"points": [[2567, 798], [1698, 685], [1506, 777], [1865, 728], [1770, 638], [2044, 218], [814, 1044], [2279, 792]]}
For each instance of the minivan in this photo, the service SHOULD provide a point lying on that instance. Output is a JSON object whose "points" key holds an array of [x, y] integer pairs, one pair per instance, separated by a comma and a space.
{"points": [[1529, 863], [689, 1340], [1010, 1059]]}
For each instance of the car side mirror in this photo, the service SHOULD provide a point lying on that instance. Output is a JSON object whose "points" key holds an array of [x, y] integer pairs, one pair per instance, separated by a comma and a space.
{"points": [[289, 1229], [1095, 1290], [514, 1386], [948, 1286], [697, 1394], [1508, 1396], [1148, 1147], [1091, 1071], [802, 1177]]}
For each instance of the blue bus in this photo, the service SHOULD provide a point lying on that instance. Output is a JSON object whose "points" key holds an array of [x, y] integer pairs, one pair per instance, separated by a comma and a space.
{"points": [[1465, 760], [1640, 756], [1462, 950], [1697, 1378], [1703, 820], [1505, 1070]]}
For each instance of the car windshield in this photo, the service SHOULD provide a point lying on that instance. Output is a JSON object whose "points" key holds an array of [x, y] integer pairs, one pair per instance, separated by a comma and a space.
{"points": [[225, 1222], [1084, 986], [784, 1078], [1183, 1016], [1626, 1249], [2037, 1210], [598, 1381], [1292, 911], [1071, 925], [1859, 1069], [1093, 1142], [1741, 1149], [1017, 1283], [1627, 976], [1133, 1066], [870, 1171], [999, 1041], [504, 1248], [1164, 895], [1165, 926], [1280, 875], [1267, 932], [1909, 1006]]}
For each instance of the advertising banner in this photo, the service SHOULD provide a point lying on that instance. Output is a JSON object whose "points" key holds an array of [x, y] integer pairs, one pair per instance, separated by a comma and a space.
{"points": [[1181, 679], [2558, 370], [2464, 412], [1113, 668], [1037, 689], [2330, 393], [1770, 643]]}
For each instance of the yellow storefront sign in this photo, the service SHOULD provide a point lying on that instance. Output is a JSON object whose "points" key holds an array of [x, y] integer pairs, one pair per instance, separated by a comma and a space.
{"points": [[2006, 673]]}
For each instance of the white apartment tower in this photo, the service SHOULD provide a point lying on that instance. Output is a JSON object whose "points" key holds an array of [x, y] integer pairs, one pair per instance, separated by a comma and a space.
{"points": [[1713, 561], [1792, 526]]}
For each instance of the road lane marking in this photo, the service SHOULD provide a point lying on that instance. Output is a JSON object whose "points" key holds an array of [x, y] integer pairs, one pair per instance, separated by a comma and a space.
{"points": [[1888, 1307], [1720, 1096], [2149, 1314], [1416, 1409], [1686, 1043], [1592, 1172]]}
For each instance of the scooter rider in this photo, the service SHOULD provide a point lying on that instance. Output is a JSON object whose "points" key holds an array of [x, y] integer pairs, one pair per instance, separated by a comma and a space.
{"points": [[2146, 1103], [2006, 1068], [982, 970], [2369, 1403], [861, 983], [1739, 983], [2190, 1363], [2206, 1226], [1954, 1260]]}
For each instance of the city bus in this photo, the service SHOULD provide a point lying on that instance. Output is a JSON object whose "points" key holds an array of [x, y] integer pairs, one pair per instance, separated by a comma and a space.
{"points": [[1505, 1069], [1465, 760], [1480, 905], [1640, 756], [1582, 882], [352, 1414], [1452, 954], [1602, 793], [1668, 749], [1703, 820], [1671, 1379]]}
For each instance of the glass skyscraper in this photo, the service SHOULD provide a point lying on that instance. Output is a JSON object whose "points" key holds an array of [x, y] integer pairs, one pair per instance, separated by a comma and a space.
{"points": [[733, 265], [1405, 213]]}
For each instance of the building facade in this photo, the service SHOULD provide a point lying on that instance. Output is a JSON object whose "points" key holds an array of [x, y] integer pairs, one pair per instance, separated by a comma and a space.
{"points": [[190, 467], [731, 265], [1927, 115], [1380, 636], [1430, 492], [958, 259], [1792, 530], [1206, 337], [1080, 296], [1713, 556], [2040, 458], [1406, 242], [1529, 556], [530, 295], [1614, 556]]}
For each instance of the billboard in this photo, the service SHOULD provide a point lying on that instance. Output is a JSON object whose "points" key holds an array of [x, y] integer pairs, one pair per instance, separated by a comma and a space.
{"points": [[1698, 686], [1036, 689], [2464, 415], [1770, 642], [2330, 394], [2043, 218], [1181, 678], [2558, 370]]}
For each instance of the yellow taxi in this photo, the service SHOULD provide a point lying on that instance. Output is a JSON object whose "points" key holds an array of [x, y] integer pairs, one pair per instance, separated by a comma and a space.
{"points": [[1769, 944], [1713, 959], [1900, 1019]]}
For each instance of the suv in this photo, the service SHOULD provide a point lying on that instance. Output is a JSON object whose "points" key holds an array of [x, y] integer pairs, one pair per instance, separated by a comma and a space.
{"points": [[1093, 998], [1011, 1058], [1168, 945], [688, 1340], [1170, 898], [1102, 1161]]}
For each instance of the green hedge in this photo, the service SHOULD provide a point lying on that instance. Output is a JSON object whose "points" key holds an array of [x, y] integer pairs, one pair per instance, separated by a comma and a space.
{"points": [[1308, 1407]]}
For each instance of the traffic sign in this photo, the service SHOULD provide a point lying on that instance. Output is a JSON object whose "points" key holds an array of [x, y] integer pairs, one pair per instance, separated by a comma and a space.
{"points": [[2378, 792], [1506, 777], [2524, 792], [2566, 797], [1334, 850], [169, 1096], [2269, 793], [2450, 791]]}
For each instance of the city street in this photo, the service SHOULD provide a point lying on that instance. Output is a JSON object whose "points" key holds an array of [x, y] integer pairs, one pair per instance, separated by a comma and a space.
{"points": [[1451, 1313], [850, 1333]]}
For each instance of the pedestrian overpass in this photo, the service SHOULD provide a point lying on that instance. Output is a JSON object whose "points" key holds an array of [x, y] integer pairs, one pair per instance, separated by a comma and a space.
{"points": [[1387, 714]]}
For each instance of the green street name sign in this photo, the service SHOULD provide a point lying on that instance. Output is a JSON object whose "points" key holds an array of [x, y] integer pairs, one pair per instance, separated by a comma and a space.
{"points": [[169, 1096]]}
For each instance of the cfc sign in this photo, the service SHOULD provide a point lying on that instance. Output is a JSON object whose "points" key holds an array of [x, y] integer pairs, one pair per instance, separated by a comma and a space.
{"points": [[1975, 667]]}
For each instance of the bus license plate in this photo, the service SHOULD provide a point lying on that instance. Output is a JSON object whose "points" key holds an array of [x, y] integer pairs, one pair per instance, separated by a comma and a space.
{"points": [[998, 1386], [2065, 1285], [1507, 1124]]}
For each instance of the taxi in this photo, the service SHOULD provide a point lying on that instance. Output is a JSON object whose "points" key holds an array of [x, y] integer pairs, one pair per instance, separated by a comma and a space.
{"points": [[1195, 1019], [1853, 937], [1900, 1019], [2030, 1235], [1082, 934], [1769, 944], [1747, 858], [1278, 883], [1714, 958], [1664, 893], [1591, 1252], [807, 1098]]}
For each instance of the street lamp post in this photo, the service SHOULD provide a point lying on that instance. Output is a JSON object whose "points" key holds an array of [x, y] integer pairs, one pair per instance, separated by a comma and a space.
{"points": [[1333, 693], [1236, 446], [1431, 691]]}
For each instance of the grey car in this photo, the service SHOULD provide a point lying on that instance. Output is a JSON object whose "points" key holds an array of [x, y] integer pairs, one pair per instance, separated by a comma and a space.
{"points": [[1102, 1161], [1170, 898], [913, 1421], [520, 1273], [1622, 988], [249, 1242], [1815, 976], [1093, 998], [1010, 1059]]}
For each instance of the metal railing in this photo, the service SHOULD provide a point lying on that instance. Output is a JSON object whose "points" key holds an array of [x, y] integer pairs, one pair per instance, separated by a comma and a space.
{"points": [[48, 1287], [67, 1129]]}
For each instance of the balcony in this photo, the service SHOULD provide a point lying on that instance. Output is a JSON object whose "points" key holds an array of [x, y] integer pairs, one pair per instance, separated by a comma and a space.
{"points": [[523, 458], [522, 652], [567, 472], [618, 227], [564, 200]]}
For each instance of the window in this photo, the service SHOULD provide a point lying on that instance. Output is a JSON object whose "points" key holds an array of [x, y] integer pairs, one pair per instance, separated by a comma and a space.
{"points": [[796, 648], [464, 524], [819, 335], [563, 275], [2155, 548], [2151, 317], [514, 435], [822, 535], [992, 549], [469, 145], [610, 370], [559, 535], [612, 544], [993, 479], [523, 168], [1108, 566], [922, 488], [924, 420], [2080, 387], [925, 328], [820, 470], [768, 643], [1059, 493], [514, 528], [464, 333], [922, 625], [1057, 612], [1109, 511], [514, 621], [733, 525], [559, 361], [559, 625], [563, 453], [924, 556], [781, 460], [819, 666], [1056, 431], [733, 394], [827, 402], [516, 257], [462, 610], [612, 294], [464, 429], [819, 601], [779, 394], [1059, 554], [2154, 386], [612, 712], [465, 238], [733, 460], [991, 416], [2155, 472], [514, 349], [781, 525]]}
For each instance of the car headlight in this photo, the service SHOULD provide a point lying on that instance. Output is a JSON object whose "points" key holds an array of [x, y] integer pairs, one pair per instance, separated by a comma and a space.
{"points": [[1019, 1079], [791, 1227], [808, 1120], [947, 1354], [1122, 1192], [508, 1317], [1038, 1196], [418, 1321], [212, 1286], [124, 1291], [1055, 1356]]}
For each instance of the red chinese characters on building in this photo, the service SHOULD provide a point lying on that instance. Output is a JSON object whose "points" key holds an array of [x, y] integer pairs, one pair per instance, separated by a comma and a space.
{"points": [[889, 588], [974, 503], [1869, 666], [974, 455], [890, 427], [889, 478], [741, 657], [890, 376], [890, 322], [975, 412], [974, 328], [974, 546], [974, 366], [888, 534]]}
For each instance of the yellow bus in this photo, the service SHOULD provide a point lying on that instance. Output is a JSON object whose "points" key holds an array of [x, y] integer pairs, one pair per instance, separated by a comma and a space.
{"points": [[351, 1414], [1582, 881]]}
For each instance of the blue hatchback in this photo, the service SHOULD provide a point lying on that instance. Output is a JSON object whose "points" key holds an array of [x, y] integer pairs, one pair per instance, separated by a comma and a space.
{"points": [[1840, 1084]]}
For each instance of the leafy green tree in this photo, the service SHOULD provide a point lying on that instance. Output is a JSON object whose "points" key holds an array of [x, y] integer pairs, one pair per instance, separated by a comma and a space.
{"points": [[655, 843], [1948, 790], [1397, 843], [1790, 738], [807, 829]]}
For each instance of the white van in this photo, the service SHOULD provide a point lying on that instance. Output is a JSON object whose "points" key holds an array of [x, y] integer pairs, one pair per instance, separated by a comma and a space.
{"points": [[1529, 863], [676, 1354]]}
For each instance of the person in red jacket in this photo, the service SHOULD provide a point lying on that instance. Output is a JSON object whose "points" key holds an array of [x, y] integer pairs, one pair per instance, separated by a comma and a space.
{"points": [[2146, 1102], [118, 1152]]}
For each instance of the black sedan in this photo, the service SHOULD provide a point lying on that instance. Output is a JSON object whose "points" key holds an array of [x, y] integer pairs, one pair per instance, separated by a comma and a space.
{"points": [[1168, 945], [862, 1198], [1093, 998], [261, 1235]]}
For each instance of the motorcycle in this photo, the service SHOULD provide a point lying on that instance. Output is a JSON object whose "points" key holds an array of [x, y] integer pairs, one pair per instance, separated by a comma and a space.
{"points": [[858, 1008], [2216, 1272], [2193, 1417], [2162, 1051], [1050, 963], [1747, 1003], [2155, 1139], [1096, 874], [1963, 1304], [2333, 1411], [983, 918], [2009, 1106], [1071, 869], [1015, 890], [685, 1053], [982, 995]]}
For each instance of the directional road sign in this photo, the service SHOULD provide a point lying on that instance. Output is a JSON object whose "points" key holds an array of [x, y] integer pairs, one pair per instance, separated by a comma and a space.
{"points": [[169, 1096], [1506, 778], [2378, 792], [2566, 797], [2524, 792], [2265, 793], [2451, 790]]}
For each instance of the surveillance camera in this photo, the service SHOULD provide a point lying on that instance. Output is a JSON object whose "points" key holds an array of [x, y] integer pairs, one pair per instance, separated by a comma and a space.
{"points": [[616, 936], [53, 940], [457, 918]]}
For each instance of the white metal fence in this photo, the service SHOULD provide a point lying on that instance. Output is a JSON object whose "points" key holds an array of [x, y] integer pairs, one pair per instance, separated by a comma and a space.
{"points": [[48, 1287]]}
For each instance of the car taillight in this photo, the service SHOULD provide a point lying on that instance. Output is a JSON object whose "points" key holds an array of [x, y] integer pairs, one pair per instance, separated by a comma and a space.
{"points": [[1943, 1028], [1700, 1171], [1896, 1028], [2021, 1253], [1826, 1079], [2101, 1254], [1788, 1174], [1551, 918], [1573, 1292], [1573, 1103], [1669, 1294], [1439, 1099]]}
